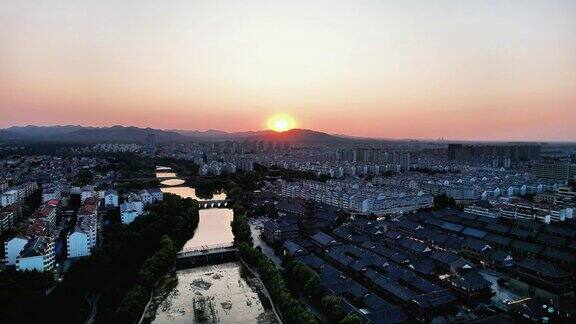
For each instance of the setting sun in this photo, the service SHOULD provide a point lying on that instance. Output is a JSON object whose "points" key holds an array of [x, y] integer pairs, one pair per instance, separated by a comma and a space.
{"points": [[281, 123]]}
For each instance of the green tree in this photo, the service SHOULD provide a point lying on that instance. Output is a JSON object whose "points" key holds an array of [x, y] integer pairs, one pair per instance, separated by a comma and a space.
{"points": [[351, 319], [443, 201], [331, 308], [132, 305]]}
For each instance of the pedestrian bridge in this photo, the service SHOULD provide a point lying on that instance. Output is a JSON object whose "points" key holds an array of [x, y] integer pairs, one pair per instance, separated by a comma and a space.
{"points": [[203, 204], [206, 254]]}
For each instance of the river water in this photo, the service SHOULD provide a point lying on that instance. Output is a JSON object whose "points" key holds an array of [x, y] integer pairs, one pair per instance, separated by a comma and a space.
{"points": [[223, 293]]}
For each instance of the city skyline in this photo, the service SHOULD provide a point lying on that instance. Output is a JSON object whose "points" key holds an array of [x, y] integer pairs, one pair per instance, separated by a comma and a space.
{"points": [[460, 71]]}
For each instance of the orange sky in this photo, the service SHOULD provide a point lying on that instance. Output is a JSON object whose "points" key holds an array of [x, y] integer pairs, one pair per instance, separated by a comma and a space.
{"points": [[485, 70]]}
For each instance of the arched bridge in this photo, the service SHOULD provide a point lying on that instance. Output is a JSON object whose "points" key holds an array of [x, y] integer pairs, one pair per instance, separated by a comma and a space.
{"points": [[207, 254], [185, 178], [204, 204]]}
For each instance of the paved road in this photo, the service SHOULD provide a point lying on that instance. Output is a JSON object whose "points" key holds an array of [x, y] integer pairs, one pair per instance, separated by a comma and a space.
{"points": [[93, 302], [256, 229], [257, 275]]}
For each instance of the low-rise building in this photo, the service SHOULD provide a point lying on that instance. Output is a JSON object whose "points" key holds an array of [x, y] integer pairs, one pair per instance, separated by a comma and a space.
{"points": [[545, 276], [146, 197], [13, 247], [51, 193], [83, 238], [46, 212], [87, 192], [157, 194], [37, 254], [111, 198], [129, 211], [8, 198], [7, 219]]}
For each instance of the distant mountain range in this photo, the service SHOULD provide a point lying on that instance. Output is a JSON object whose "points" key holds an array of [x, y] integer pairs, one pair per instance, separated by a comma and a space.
{"points": [[296, 135], [123, 134], [81, 134]]}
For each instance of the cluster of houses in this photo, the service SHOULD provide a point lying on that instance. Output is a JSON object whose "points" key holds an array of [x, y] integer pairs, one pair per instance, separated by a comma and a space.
{"points": [[517, 208], [17, 194], [83, 236], [356, 197], [428, 263], [216, 168], [34, 247], [133, 205], [12, 202], [472, 185]]}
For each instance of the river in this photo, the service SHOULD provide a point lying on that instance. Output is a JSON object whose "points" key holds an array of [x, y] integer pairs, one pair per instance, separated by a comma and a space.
{"points": [[223, 293]]}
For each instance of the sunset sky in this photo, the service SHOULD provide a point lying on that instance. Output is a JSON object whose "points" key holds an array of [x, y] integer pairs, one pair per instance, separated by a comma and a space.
{"points": [[485, 70]]}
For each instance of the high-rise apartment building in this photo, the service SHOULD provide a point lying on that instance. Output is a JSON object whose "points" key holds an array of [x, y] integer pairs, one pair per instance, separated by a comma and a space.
{"points": [[554, 170], [151, 144]]}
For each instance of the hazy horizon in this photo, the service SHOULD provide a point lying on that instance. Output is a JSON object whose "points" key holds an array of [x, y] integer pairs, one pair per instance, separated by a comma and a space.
{"points": [[461, 70], [300, 128]]}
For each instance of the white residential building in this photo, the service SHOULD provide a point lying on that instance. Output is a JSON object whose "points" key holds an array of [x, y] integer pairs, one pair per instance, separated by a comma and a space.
{"points": [[83, 238], [50, 194], [8, 198], [7, 219], [203, 170], [111, 198], [87, 192], [78, 243], [157, 194], [129, 211], [215, 169], [146, 197], [356, 198], [246, 165], [37, 254], [13, 247]]}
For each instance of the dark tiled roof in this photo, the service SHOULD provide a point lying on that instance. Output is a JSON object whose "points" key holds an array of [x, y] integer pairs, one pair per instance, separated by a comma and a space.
{"points": [[435, 299], [323, 239], [528, 224], [562, 231], [311, 260], [424, 266], [453, 227], [471, 281], [474, 232], [542, 267], [499, 255], [452, 218], [394, 289], [468, 216], [434, 222], [551, 239], [294, 248], [526, 247], [375, 303], [472, 223], [413, 245], [476, 244], [388, 316], [520, 233], [559, 255], [497, 228], [35, 247], [498, 239]]}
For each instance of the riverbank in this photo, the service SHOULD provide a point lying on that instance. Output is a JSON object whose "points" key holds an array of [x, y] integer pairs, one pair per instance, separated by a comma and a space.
{"points": [[223, 293], [160, 293]]}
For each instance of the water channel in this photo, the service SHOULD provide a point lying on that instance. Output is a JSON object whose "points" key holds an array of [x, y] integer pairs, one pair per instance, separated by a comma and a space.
{"points": [[223, 293]]}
